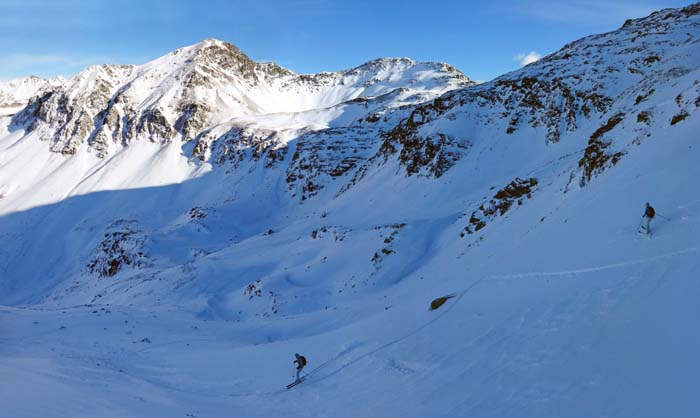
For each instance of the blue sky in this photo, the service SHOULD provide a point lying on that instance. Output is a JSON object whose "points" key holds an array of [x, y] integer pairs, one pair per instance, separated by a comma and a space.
{"points": [[483, 39]]}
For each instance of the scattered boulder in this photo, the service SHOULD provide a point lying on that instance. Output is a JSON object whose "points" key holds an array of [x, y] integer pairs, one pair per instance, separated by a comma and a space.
{"points": [[679, 117], [437, 303], [123, 245]]}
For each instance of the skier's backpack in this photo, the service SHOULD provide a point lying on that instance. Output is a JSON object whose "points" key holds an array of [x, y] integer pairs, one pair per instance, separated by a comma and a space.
{"points": [[650, 212], [302, 361]]}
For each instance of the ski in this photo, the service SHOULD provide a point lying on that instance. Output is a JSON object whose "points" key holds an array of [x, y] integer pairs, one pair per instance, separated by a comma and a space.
{"points": [[291, 385]]}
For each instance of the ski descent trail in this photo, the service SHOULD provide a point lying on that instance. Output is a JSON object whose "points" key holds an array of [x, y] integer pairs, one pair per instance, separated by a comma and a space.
{"points": [[598, 268]]}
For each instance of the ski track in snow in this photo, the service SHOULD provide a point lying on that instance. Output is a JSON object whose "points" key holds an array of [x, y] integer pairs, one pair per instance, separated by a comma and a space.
{"points": [[477, 282], [446, 311], [597, 268]]}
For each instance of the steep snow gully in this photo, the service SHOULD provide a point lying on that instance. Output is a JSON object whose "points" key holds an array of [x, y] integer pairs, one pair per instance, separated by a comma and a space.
{"points": [[172, 233]]}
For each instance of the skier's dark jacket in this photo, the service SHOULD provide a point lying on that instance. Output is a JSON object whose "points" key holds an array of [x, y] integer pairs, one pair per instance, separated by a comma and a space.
{"points": [[301, 362], [650, 212]]}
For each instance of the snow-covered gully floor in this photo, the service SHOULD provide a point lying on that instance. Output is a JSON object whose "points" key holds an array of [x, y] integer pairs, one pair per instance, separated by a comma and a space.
{"points": [[571, 343]]}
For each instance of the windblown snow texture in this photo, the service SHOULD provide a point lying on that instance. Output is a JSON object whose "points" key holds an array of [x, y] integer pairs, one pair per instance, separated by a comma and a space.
{"points": [[173, 233]]}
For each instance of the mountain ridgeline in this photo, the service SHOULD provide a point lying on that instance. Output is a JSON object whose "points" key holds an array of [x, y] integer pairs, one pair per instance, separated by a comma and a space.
{"points": [[276, 149], [187, 93]]}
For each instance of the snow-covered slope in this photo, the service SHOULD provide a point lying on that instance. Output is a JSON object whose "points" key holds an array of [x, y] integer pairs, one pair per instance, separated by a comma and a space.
{"points": [[174, 267]]}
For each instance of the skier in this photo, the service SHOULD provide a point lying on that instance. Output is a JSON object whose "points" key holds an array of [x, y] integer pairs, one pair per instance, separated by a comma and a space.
{"points": [[300, 364], [649, 214]]}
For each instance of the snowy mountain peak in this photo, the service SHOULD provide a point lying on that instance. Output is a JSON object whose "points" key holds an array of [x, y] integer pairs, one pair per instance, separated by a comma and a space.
{"points": [[194, 89], [222, 55], [387, 62]]}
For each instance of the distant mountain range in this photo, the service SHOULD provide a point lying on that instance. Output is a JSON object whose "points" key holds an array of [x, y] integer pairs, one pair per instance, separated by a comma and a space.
{"points": [[193, 90]]}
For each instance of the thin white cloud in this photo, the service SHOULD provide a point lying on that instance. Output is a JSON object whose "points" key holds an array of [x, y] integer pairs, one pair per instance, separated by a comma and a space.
{"points": [[16, 65], [27, 60], [525, 59]]}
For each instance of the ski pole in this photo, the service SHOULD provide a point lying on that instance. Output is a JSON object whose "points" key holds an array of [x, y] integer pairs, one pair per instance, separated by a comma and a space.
{"points": [[662, 216]]}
